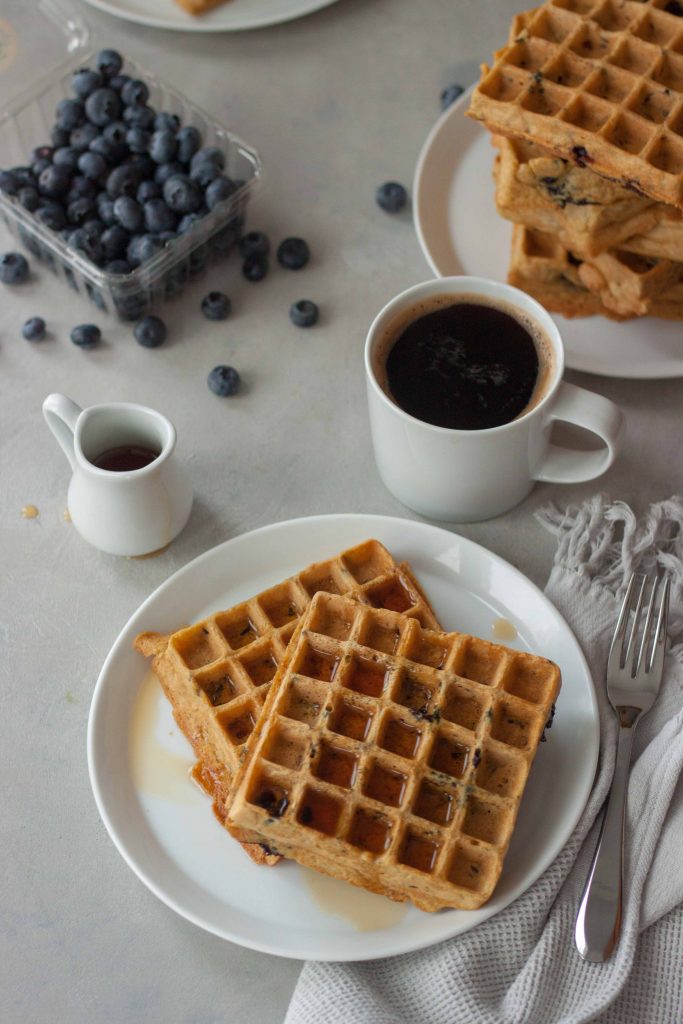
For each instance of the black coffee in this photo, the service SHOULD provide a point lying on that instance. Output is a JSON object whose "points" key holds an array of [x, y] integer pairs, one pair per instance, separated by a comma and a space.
{"points": [[125, 458], [464, 366]]}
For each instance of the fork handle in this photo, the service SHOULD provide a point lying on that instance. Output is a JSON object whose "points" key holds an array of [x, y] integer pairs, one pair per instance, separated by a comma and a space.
{"points": [[598, 922]]}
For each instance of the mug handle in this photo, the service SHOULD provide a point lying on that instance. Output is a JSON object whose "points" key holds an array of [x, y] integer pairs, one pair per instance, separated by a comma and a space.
{"points": [[592, 412], [61, 415]]}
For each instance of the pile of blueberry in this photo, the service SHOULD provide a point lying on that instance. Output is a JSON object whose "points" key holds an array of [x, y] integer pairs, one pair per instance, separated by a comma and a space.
{"points": [[119, 181]]}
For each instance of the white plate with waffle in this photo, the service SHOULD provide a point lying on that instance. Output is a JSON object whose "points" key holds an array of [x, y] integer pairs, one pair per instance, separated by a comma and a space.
{"points": [[460, 232], [162, 823], [231, 16]]}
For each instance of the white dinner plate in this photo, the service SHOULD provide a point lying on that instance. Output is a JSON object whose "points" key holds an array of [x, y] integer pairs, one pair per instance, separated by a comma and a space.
{"points": [[233, 16], [163, 825], [461, 233]]}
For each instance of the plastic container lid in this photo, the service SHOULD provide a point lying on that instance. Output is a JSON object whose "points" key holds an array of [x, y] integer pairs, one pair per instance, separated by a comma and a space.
{"points": [[28, 40]]}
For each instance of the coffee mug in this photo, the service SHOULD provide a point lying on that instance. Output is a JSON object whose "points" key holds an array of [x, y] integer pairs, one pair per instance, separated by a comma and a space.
{"points": [[468, 475]]}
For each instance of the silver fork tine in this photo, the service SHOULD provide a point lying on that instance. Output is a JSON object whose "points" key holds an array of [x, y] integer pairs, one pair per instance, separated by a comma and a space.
{"points": [[659, 645], [641, 661], [618, 639], [633, 635]]}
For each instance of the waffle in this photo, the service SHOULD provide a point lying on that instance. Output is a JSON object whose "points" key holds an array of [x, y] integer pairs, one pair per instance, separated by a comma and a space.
{"points": [[598, 82], [392, 756], [197, 7], [541, 266], [216, 674]]}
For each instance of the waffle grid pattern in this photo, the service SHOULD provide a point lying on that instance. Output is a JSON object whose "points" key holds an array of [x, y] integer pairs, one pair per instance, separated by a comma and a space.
{"points": [[600, 82], [394, 756]]}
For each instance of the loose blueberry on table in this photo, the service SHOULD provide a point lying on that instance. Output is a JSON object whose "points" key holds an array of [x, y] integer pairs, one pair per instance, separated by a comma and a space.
{"points": [[86, 335], [303, 313], [255, 268], [224, 381], [216, 306], [450, 94], [34, 329], [293, 253], [391, 196], [13, 268], [150, 332]]}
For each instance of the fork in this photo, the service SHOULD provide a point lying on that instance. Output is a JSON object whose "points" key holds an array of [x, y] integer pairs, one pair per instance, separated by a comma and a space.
{"points": [[634, 674]]}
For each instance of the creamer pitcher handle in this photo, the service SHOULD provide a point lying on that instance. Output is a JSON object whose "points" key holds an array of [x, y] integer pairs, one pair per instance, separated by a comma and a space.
{"points": [[61, 415]]}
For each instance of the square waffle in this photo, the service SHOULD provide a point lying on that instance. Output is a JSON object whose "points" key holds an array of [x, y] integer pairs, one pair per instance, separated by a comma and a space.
{"points": [[541, 266], [216, 673], [393, 756], [598, 82]]}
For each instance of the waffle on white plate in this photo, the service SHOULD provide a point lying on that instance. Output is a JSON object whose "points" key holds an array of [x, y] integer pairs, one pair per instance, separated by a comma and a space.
{"points": [[394, 756], [216, 673]]}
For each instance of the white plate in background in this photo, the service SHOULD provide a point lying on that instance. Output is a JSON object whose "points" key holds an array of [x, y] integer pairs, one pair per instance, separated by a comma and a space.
{"points": [[232, 16]]}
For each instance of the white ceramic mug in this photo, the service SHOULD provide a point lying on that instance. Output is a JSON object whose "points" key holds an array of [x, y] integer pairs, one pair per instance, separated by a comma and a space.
{"points": [[123, 513], [468, 475]]}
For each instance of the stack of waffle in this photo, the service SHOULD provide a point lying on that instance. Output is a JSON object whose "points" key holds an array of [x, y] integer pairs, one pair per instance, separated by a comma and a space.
{"points": [[585, 106], [337, 725]]}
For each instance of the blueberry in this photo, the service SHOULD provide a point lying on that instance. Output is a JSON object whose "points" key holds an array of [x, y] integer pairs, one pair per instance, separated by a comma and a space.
{"points": [[216, 306], [92, 165], [227, 237], [81, 137], [138, 140], [166, 171], [139, 117], [24, 176], [52, 215], [175, 280], [144, 165], [142, 248], [163, 146], [103, 106], [13, 268], [34, 329], [118, 81], [66, 156], [164, 121], [81, 210], [124, 181], [293, 253], [135, 92], [218, 191], [303, 313], [8, 183], [38, 166], [150, 332], [159, 217], [29, 198], [204, 173], [95, 226], [109, 62], [115, 131], [86, 335], [181, 194], [59, 136], [209, 153], [224, 381], [450, 94], [115, 241], [70, 114], [89, 244], [113, 152], [391, 196], [186, 222], [147, 190], [255, 268], [84, 81], [130, 307], [254, 243], [105, 208], [188, 143], [118, 267], [82, 188], [129, 214]]}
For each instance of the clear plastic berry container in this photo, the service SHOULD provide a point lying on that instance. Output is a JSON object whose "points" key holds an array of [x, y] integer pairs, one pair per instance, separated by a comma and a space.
{"points": [[53, 36]]}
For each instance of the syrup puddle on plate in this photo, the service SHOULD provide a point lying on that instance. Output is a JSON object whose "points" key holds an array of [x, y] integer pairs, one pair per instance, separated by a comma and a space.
{"points": [[366, 911], [503, 630], [156, 770]]}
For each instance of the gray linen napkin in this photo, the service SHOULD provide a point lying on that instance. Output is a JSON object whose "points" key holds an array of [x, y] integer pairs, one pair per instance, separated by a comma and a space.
{"points": [[521, 965]]}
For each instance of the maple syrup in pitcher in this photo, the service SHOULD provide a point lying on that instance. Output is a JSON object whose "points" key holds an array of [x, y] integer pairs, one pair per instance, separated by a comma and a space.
{"points": [[467, 365], [125, 458]]}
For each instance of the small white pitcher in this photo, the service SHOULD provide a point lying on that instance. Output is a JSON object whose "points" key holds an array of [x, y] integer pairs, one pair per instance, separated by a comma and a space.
{"points": [[123, 513]]}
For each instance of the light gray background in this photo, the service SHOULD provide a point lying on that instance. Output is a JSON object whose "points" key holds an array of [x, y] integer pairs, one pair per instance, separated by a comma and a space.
{"points": [[336, 103]]}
